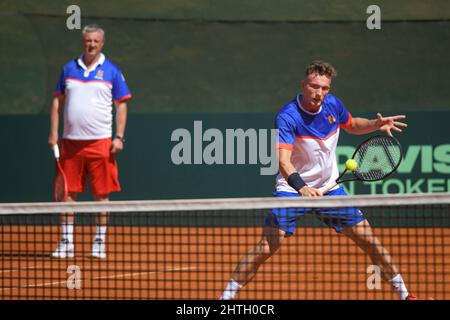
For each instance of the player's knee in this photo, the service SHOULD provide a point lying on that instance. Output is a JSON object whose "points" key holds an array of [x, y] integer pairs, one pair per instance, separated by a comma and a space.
{"points": [[101, 197], [268, 248], [372, 241], [71, 197], [372, 246]]}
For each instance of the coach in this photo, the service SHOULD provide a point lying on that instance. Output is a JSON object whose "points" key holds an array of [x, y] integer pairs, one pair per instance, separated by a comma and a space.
{"points": [[86, 92]]}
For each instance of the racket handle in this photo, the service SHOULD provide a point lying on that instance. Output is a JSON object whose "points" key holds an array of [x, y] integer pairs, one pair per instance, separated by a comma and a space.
{"points": [[56, 151], [328, 188]]}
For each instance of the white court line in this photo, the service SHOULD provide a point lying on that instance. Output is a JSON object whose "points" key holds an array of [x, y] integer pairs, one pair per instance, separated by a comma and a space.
{"points": [[118, 276], [18, 269]]}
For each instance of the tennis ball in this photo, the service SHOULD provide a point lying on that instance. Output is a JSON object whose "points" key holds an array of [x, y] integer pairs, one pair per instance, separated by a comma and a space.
{"points": [[351, 165]]}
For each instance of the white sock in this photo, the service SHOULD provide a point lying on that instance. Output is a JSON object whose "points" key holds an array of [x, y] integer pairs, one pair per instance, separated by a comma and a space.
{"points": [[100, 233], [399, 285], [231, 290], [67, 232]]}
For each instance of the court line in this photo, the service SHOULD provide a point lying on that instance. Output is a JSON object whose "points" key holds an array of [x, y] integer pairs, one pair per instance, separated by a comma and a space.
{"points": [[116, 276], [23, 268]]}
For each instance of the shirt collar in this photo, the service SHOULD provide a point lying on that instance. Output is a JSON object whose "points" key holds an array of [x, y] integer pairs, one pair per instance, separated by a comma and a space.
{"points": [[306, 111], [99, 62]]}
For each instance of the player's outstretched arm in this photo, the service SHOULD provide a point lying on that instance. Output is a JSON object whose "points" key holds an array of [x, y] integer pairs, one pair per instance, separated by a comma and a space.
{"points": [[385, 124]]}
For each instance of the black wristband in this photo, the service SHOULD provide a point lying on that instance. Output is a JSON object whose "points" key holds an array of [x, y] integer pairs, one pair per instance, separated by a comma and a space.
{"points": [[120, 138], [295, 181]]}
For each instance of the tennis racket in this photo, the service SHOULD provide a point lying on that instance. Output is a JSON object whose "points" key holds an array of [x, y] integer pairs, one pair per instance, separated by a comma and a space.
{"points": [[60, 191], [377, 157]]}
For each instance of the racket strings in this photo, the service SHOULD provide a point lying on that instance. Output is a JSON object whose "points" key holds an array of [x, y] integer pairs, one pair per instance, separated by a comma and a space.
{"points": [[377, 158]]}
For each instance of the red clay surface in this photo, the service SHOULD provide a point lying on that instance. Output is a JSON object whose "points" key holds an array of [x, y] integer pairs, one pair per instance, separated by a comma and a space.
{"points": [[196, 263]]}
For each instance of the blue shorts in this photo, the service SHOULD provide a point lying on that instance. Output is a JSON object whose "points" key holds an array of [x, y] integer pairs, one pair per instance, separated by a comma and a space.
{"points": [[337, 218]]}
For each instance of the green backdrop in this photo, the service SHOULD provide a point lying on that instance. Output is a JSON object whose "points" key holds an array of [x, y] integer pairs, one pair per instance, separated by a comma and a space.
{"points": [[147, 170], [233, 56]]}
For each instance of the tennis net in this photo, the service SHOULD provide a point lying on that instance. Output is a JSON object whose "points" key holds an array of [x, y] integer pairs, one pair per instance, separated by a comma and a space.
{"points": [[189, 249]]}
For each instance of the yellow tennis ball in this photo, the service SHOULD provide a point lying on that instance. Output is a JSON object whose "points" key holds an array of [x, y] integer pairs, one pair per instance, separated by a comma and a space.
{"points": [[351, 165]]}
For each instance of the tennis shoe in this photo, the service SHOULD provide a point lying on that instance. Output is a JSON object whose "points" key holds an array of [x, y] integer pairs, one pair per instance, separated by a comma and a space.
{"points": [[65, 250], [98, 249]]}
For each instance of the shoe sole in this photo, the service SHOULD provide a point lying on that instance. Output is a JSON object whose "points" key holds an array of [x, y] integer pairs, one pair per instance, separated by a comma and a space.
{"points": [[60, 257]]}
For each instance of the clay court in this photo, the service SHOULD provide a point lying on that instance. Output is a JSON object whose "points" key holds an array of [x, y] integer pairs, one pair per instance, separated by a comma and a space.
{"points": [[196, 263]]}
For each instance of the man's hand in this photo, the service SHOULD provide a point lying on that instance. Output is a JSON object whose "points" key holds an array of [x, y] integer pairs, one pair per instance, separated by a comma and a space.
{"points": [[116, 146], [387, 124], [310, 192]]}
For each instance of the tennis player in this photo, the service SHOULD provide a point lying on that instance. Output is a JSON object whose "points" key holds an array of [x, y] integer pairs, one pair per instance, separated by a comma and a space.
{"points": [[309, 128], [86, 91]]}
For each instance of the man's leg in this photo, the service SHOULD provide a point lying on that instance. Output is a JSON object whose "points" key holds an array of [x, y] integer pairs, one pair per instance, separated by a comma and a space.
{"points": [[103, 172], [103, 217], [65, 247], [101, 223], [364, 238], [252, 260]]}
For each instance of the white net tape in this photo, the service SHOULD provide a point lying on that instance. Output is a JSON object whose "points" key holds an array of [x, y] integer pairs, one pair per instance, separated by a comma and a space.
{"points": [[226, 204]]}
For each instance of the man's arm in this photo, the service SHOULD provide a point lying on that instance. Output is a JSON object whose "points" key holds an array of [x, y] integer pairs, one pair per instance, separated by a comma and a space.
{"points": [[121, 121], [55, 110], [286, 169], [386, 124]]}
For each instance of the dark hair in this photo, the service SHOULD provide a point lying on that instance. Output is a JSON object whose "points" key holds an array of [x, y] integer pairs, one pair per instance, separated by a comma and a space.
{"points": [[321, 68]]}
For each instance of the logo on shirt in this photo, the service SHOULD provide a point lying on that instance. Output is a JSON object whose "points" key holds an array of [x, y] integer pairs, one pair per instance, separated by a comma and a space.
{"points": [[331, 119], [99, 75]]}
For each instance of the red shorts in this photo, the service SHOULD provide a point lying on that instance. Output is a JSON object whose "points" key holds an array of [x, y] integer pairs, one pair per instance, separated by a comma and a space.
{"points": [[93, 158]]}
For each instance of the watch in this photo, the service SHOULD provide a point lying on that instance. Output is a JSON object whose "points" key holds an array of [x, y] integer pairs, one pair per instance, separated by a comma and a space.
{"points": [[120, 138]]}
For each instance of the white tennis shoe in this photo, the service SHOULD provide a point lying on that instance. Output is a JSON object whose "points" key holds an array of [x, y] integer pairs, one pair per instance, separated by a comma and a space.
{"points": [[98, 249], [65, 250]]}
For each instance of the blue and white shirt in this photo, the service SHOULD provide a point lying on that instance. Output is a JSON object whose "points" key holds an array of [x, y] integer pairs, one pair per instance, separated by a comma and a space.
{"points": [[312, 138], [89, 95]]}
